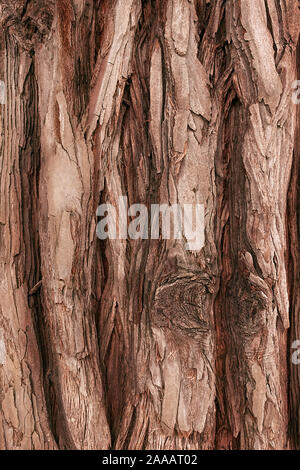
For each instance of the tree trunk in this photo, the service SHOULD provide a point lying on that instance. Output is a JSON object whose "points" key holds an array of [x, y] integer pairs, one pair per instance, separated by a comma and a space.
{"points": [[143, 344]]}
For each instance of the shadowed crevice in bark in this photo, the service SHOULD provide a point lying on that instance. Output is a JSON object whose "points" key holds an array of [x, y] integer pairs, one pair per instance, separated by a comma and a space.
{"points": [[225, 166]]}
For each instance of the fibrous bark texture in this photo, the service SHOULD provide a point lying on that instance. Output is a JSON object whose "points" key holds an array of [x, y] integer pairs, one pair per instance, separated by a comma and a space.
{"points": [[143, 344]]}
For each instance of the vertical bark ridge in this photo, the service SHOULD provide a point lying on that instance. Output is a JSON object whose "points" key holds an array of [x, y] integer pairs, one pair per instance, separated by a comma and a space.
{"points": [[67, 202], [256, 304], [24, 417], [173, 347]]}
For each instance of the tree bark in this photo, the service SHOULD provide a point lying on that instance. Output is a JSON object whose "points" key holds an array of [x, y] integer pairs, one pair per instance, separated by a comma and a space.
{"points": [[142, 344]]}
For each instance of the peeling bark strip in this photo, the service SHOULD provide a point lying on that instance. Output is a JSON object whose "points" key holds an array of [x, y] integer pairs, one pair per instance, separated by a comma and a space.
{"points": [[141, 344]]}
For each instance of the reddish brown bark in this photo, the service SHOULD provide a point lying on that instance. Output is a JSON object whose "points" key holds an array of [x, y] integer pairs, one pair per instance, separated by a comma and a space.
{"points": [[142, 344]]}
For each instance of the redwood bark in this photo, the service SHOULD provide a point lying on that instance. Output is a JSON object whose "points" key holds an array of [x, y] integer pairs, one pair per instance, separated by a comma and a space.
{"points": [[142, 344]]}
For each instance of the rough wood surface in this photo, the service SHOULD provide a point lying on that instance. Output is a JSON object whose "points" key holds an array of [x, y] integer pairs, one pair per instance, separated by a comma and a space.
{"points": [[142, 344]]}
